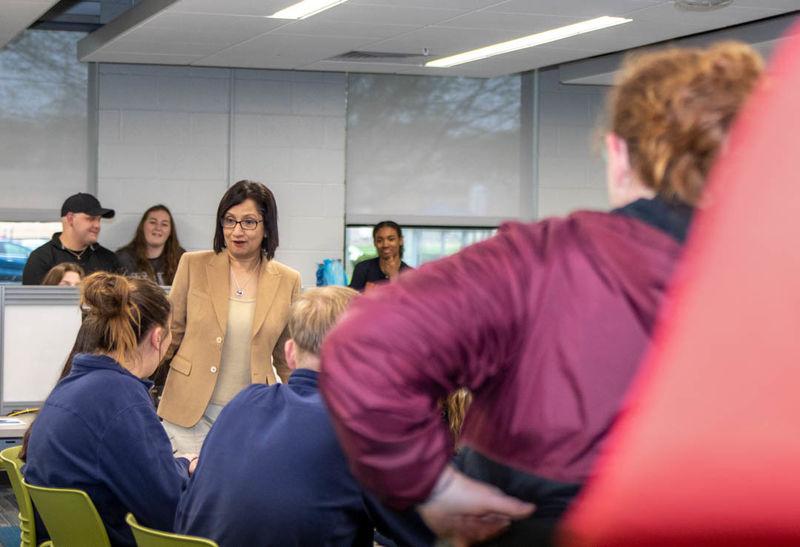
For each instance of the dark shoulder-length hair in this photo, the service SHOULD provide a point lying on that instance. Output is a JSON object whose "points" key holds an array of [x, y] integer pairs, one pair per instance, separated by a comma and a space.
{"points": [[265, 202], [172, 248]]}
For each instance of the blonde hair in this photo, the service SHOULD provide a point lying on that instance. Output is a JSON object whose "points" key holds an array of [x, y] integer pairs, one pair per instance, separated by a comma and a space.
{"points": [[673, 109], [455, 408], [314, 313]]}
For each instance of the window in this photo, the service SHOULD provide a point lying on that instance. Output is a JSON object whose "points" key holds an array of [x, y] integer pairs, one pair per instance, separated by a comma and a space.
{"points": [[44, 116], [420, 244], [433, 151], [17, 240]]}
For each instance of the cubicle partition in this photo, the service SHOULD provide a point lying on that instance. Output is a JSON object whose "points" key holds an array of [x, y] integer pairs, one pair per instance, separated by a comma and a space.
{"points": [[38, 326]]}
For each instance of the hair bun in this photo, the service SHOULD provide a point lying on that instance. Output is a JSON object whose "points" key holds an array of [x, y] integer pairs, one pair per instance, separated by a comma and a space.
{"points": [[106, 295]]}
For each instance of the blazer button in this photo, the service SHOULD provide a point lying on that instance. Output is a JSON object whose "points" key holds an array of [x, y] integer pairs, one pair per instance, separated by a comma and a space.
{"points": [[213, 369], [219, 339]]}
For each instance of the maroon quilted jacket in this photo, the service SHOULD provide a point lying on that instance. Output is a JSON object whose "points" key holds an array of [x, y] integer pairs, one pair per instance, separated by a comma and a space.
{"points": [[545, 323]]}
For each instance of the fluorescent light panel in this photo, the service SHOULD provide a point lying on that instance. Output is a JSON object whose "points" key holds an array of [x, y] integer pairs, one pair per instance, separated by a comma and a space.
{"points": [[537, 39], [306, 8]]}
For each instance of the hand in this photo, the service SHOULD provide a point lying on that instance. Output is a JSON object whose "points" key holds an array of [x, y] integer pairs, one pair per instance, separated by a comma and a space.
{"points": [[391, 267], [467, 511], [193, 465], [192, 460]]}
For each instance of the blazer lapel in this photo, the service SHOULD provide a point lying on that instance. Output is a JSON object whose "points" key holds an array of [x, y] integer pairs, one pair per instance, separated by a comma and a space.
{"points": [[268, 283], [218, 271]]}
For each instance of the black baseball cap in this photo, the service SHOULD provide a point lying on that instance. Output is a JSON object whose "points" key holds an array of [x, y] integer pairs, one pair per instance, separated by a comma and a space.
{"points": [[85, 203]]}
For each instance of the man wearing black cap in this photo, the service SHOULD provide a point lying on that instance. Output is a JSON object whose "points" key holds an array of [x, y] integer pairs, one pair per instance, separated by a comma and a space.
{"points": [[80, 218]]}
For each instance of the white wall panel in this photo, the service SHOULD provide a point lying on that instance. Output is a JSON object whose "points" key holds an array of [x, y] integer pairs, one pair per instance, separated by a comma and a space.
{"points": [[198, 130], [289, 132], [571, 172], [31, 370]]}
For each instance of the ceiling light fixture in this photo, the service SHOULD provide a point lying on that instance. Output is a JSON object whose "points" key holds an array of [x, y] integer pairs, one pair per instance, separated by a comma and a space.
{"points": [[528, 41], [306, 8]]}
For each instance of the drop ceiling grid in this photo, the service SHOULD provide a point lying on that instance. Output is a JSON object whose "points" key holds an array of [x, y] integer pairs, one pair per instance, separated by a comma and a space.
{"points": [[196, 32]]}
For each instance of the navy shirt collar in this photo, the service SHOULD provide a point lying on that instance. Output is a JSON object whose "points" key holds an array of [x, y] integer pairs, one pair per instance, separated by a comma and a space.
{"points": [[83, 363], [304, 377], [672, 218]]}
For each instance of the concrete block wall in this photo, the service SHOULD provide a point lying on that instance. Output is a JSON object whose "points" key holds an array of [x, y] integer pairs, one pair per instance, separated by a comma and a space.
{"points": [[289, 131], [181, 135], [571, 169]]}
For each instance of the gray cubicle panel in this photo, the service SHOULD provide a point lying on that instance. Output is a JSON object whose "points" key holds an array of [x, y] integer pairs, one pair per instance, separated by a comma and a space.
{"points": [[38, 326]]}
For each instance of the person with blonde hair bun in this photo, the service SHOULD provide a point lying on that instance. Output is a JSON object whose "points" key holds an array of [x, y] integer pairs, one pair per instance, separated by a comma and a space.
{"points": [[98, 430], [545, 323]]}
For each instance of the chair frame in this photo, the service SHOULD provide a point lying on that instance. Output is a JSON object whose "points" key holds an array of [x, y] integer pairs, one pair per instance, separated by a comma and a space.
{"points": [[9, 457], [148, 537], [91, 532]]}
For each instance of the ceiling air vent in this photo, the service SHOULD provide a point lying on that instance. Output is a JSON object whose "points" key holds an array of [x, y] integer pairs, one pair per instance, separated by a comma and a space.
{"points": [[382, 57], [701, 5]]}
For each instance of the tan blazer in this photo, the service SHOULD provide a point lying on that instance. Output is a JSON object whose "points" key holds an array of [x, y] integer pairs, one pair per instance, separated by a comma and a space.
{"points": [[199, 299]]}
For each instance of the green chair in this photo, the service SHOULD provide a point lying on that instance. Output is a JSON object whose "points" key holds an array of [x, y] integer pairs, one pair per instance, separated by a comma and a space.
{"points": [[147, 537], [69, 516], [13, 466]]}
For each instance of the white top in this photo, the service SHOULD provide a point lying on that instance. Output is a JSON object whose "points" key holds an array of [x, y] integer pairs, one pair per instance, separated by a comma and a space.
{"points": [[234, 368]]}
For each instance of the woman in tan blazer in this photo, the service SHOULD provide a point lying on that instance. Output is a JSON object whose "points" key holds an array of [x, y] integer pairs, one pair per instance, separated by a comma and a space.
{"points": [[230, 307]]}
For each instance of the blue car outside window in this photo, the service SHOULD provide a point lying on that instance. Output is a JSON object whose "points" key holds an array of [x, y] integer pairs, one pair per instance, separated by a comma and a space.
{"points": [[12, 261]]}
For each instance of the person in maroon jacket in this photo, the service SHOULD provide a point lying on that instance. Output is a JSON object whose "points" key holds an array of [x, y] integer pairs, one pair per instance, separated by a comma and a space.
{"points": [[545, 323]]}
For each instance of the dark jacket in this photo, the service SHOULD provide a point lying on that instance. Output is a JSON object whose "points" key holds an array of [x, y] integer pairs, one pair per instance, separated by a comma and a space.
{"points": [[271, 473], [545, 323], [98, 431], [94, 259], [369, 271]]}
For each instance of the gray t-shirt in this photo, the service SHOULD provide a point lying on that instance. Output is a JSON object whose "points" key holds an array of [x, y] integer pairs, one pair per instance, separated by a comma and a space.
{"points": [[128, 265]]}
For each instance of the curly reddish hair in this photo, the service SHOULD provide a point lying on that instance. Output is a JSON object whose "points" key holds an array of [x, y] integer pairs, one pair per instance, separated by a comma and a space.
{"points": [[673, 109]]}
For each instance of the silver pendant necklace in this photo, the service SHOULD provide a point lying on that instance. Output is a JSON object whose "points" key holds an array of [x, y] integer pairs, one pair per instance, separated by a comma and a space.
{"points": [[239, 289]]}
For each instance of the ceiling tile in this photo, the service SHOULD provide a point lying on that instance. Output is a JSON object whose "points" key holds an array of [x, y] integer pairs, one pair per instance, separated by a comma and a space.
{"points": [[235, 33], [442, 40], [162, 48], [320, 27], [389, 14], [285, 51], [687, 22], [149, 58], [17, 15], [198, 28], [448, 4], [231, 7], [521, 23], [784, 5], [574, 8]]}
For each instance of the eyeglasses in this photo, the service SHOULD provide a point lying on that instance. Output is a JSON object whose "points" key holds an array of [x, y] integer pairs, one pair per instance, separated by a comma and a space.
{"points": [[229, 223]]}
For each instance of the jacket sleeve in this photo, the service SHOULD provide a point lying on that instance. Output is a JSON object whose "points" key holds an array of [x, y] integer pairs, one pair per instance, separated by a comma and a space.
{"points": [[177, 297], [135, 458], [452, 323], [278, 355], [35, 268]]}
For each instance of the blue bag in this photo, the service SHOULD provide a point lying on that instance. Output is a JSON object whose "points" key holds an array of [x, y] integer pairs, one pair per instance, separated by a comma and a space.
{"points": [[331, 272]]}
